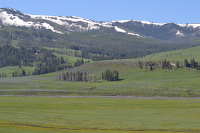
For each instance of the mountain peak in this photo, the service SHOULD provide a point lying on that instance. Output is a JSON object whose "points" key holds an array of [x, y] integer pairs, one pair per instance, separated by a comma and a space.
{"points": [[11, 11], [12, 17]]}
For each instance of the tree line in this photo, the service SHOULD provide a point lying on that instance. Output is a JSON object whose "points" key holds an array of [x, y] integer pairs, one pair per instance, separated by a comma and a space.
{"points": [[74, 76], [164, 64], [78, 76], [20, 73], [110, 75]]}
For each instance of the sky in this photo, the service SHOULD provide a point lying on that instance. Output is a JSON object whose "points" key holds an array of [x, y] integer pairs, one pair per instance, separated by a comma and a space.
{"points": [[157, 11]]}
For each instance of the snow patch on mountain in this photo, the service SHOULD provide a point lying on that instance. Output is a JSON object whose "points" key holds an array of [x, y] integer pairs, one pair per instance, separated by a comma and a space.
{"points": [[10, 19], [73, 21], [178, 33], [123, 31], [151, 23], [143, 22], [134, 34], [197, 25], [119, 29], [119, 21]]}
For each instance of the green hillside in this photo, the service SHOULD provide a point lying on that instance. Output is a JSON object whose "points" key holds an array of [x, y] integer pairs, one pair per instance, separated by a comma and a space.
{"points": [[133, 81], [69, 54], [177, 55]]}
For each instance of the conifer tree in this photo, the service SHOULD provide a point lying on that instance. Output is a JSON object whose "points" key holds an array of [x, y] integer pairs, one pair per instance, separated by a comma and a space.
{"points": [[151, 67], [23, 72], [110, 75], [140, 64], [192, 64], [186, 63], [177, 64]]}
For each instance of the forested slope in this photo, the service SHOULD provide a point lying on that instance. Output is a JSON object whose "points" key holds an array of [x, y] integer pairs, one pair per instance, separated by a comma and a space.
{"points": [[103, 47]]}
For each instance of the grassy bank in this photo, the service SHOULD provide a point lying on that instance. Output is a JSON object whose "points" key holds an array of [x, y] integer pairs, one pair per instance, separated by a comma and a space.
{"points": [[53, 114]]}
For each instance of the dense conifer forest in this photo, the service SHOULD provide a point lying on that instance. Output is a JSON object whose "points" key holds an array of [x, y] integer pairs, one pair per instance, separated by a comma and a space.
{"points": [[42, 59], [96, 48]]}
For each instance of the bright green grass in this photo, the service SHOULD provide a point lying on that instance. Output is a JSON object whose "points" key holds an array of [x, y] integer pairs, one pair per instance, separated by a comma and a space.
{"points": [[70, 59], [177, 55], [134, 82], [66, 50], [53, 114], [172, 56], [10, 69]]}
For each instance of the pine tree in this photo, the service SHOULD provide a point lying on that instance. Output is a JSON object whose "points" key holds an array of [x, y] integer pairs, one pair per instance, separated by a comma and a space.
{"points": [[82, 61], [177, 64], [20, 65], [23, 72], [151, 67], [192, 64], [13, 74], [186, 63], [110, 75], [140, 64], [62, 60]]}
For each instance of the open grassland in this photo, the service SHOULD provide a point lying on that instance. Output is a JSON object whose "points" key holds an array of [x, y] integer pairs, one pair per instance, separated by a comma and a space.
{"points": [[172, 56], [70, 59], [177, 55], [59, 115], [133, 81], [182, 82], [70, 52], [10, 69]]}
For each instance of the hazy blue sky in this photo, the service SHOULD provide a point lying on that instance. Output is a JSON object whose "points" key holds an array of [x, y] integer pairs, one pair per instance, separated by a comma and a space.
{"points": [[162, 11]]}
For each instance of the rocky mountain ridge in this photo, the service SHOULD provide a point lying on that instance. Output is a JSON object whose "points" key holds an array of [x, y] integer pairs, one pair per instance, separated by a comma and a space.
{"points": [[64, 24]]}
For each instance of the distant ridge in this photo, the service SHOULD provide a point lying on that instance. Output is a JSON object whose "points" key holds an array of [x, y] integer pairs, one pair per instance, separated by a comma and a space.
{"points": [[64, 24]]}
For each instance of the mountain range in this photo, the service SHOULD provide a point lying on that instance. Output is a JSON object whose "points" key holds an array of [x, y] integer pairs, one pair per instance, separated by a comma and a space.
{"points": [[69, 24], [118, 39]]}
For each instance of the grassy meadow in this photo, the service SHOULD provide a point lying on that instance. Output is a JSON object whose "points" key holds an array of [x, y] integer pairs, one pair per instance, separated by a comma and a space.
{"points": [[142, 82], [37, 114], [79, 114], [134, 81], [10, 69], [177, 55], [182, 82]]}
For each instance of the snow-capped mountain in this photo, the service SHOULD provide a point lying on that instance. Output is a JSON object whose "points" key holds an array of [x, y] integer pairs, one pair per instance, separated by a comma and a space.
{"points": [[12, 17], [159, 30], [64, 24]]}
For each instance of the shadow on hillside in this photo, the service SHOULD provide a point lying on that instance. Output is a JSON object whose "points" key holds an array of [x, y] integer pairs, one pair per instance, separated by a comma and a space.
{"points": [[120, 79]]}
